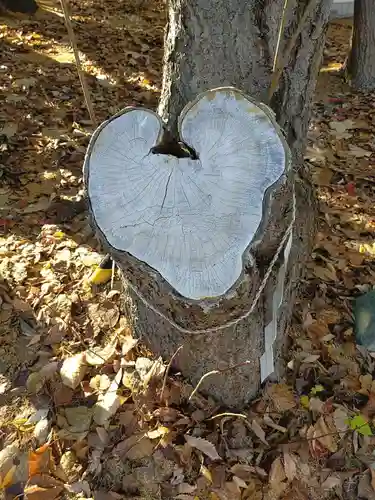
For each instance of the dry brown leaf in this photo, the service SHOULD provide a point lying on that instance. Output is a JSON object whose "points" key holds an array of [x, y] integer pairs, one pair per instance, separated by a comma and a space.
{"points": [[340, 128], [204, 446], [128, 344], [372, 472], [281, 396], [254, 490], [73, 370], [324, 177], [340, 418], [76, 424], [104, 315], [331, 482], [325, 274], [239, 482], [277, 477], [243, 471], [290, 466], [325, 434], [106, 407], [43, 487], [97, 356], [358, 152], [55, 334], [135, 447], [258, 431], [311, 358]]}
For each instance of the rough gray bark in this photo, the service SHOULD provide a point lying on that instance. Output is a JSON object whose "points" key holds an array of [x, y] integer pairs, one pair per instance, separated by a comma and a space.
{"points": [[213, 43], [361, 61]]}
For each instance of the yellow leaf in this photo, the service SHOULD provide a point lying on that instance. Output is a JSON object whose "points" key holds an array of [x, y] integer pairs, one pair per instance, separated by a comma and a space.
{"points": [[19, 424], [206, 473], [305, 402], [160, 431], [7, 481]]}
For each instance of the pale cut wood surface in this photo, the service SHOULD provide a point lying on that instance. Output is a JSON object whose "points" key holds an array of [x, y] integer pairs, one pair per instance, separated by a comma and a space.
{"points": [[189, 219]]}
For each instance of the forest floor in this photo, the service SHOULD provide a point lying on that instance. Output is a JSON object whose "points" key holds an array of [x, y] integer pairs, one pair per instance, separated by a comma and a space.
{"points": [[85, 411]]}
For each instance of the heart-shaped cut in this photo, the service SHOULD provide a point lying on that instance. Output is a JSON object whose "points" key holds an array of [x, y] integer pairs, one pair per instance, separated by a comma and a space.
{"points": [[189, 219]]}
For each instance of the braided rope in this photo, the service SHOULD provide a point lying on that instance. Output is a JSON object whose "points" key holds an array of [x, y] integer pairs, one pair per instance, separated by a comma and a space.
{"points": [[254, 303]]}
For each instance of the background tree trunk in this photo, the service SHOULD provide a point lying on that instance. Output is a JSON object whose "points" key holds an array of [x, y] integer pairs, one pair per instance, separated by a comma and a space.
{"points": [[360, 65], [214, 43]]}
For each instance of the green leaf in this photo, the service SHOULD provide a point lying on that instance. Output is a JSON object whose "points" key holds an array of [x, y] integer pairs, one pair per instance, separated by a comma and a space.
{"points": [[360, 424], [315, 390]]}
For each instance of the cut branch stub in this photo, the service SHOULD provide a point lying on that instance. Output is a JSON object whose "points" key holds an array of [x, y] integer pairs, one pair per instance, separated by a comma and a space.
{"points": [[193, 221]]}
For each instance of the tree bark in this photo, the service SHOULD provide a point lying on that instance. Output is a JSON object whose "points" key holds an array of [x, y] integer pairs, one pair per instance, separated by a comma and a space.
{"points": [[360, 66], [215, 43]]}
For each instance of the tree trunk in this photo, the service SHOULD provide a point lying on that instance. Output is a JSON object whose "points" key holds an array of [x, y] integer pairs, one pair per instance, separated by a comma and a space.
{"points": [[215, 43], [361, 62]]}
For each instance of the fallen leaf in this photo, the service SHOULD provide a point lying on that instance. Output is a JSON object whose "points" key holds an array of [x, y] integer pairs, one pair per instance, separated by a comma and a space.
{"points": [[128, 344], [103, 435], [39, 460], [324, 177], [311, 358], [9, 129], [79, 418], [340, 128], [206, 473], [97, 356], [204, 446], [340, 418], [282, 397], [79, 487], [8, 478], [24, 83], [325, 274], [372, 472], [41, 430], [277, 476], [160, 431], [135, 447], [35, 382], [73, 370], [43, 487], [40, 206], [326, 435], [258, 431], [361, 425], [331, 483], [107, 407], [290, 466], [104, 315], [239, 482], [243, 471], [55, 334], [358, 152]]}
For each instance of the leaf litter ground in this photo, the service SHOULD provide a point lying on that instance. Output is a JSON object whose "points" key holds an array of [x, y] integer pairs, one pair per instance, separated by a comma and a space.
{"points": [[86, 411]]}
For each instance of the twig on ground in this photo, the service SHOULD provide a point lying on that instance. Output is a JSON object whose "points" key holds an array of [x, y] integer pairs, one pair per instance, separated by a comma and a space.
{"points": [[167, 370], [73, 43], [216, 372]]}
